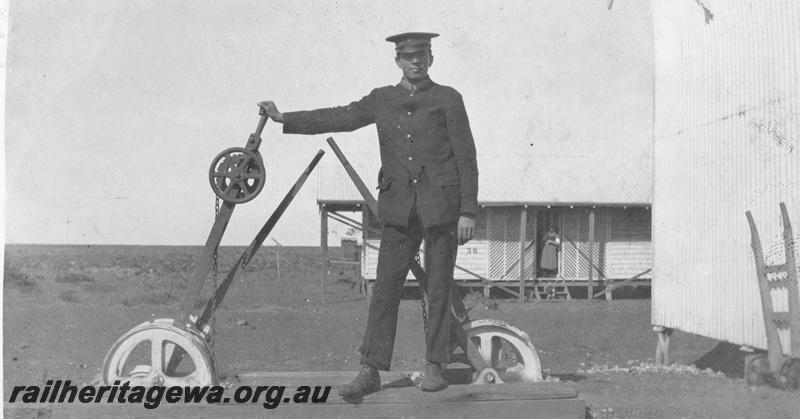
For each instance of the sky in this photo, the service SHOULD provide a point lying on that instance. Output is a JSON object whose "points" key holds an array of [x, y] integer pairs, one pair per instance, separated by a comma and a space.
{"points": [[116, 109]]}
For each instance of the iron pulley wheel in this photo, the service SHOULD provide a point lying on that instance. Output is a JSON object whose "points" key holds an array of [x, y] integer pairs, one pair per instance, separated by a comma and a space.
{"points": [[506, 349], [237, 175], [757, 369], [156, 353], [789, 376]]}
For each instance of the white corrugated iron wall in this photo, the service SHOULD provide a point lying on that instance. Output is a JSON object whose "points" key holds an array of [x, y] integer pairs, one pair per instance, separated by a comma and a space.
{"points": [[727, 111]]}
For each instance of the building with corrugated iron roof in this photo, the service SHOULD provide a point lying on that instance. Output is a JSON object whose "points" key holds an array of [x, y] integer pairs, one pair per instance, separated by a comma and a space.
{"points": [[600, 209]]}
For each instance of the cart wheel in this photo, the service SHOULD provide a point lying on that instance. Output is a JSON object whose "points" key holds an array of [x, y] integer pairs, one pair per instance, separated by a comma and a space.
{"points": [[789, 378], [240, 170], [156, 353], [756, 368], [506, 349]]}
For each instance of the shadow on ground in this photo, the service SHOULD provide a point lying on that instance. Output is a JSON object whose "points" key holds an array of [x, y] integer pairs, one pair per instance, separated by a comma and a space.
{"points": [[726, 358]]}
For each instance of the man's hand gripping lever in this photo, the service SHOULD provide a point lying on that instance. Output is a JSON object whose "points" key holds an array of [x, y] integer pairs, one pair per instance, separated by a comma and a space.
{"points": [[271, 110]]}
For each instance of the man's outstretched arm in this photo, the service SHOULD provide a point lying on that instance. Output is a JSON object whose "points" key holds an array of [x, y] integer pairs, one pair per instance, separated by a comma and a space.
{"points": [[320, 121]]}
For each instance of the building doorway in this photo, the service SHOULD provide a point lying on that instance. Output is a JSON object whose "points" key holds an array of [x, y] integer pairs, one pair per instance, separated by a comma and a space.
{"points": [[548, 246]]}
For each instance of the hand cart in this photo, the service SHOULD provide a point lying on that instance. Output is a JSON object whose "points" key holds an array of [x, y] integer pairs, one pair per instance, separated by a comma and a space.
{"points": [[777, 367]]}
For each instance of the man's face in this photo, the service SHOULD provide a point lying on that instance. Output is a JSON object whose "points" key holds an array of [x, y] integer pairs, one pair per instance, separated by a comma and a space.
{"points": [[414, 64]]}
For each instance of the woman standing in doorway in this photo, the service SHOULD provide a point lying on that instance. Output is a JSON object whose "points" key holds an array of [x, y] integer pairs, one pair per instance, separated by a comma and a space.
{"points": [[549, 260]]}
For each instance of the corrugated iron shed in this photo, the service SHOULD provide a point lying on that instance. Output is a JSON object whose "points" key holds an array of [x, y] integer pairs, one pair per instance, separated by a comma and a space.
{"points": [[506, 180], [727, 140]]}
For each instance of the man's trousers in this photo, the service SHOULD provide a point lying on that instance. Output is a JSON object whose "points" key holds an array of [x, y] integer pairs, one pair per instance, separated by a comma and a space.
{"points": [[399, 246]]}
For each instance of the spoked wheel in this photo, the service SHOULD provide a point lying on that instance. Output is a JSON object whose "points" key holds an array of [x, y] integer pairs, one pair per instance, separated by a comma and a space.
{"points": [[757, 369], [156, 353], [789, 377], [237, 175], [506, 349]]}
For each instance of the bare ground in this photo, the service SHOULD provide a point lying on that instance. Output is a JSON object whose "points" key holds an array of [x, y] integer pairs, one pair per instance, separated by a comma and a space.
{"points": [[64, 306]]}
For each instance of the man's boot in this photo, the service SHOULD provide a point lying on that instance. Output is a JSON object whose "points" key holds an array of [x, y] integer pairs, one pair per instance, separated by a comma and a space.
{"points": [[433, 381], [367, 381]]}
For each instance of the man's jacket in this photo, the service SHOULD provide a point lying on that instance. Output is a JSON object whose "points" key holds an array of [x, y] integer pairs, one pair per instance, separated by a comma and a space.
{"points": [[426, 145]]}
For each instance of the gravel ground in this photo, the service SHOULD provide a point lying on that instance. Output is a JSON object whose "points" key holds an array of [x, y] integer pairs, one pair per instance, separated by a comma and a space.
{"points": [[59, 326]]}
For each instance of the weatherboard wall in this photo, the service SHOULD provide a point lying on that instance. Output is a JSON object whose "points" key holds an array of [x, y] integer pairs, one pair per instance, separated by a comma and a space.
{"points": [[622, 246]]}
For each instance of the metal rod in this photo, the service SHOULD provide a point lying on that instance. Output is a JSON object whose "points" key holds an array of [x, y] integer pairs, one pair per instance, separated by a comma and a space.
{"points": [[261, 122], [254, 142], [591, 256], [323, 243], [371, 202], [774, 350], [535, 255], [215, 237], [344, 220], [523, 235], [247, 255], [278, 263], [791, 275], [616, 285], [204, 265]]}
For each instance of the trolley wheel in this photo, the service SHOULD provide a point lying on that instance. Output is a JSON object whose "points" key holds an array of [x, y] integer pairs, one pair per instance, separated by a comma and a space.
{"points": [[789, 377], [237, 170], [506, 349], [756, 369], [156, 353]]}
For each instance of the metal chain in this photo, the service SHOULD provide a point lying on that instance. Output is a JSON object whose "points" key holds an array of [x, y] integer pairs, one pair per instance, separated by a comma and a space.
{"points": [[424, 306], [214, 266]]}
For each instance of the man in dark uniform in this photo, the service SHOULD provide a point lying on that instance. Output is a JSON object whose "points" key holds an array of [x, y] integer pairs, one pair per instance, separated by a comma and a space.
{"points": [[428, 190]]}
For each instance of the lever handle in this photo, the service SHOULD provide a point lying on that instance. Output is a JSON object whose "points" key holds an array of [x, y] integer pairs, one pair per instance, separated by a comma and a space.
{"points": [[262, 122]]}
